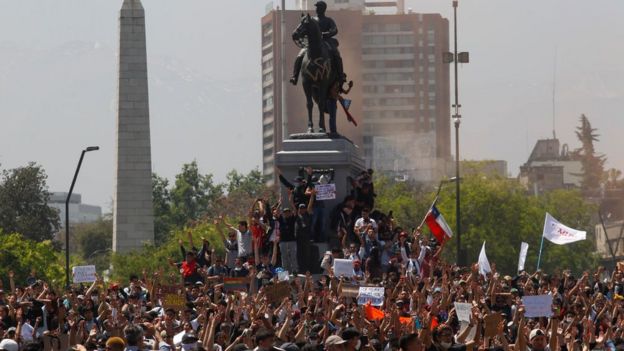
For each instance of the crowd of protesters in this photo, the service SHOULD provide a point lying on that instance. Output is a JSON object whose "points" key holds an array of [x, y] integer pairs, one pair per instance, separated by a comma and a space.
{"points": [[317, 314]]}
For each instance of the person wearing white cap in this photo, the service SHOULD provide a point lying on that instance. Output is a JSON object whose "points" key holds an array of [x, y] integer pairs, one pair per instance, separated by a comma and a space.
{"points": [[334, 343], [9, 345], [538, 340]]}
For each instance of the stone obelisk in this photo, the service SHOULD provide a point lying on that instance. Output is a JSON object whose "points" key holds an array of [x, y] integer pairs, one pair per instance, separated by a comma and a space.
{"points": [[133, 216]]}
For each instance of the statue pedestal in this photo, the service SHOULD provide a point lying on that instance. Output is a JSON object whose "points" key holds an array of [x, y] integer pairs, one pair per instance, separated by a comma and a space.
{"points": [[339, 155]]}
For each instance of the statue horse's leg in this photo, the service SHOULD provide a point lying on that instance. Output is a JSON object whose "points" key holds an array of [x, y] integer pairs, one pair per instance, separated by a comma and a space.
{"points": [[309, 105], [331, 108], [322, 101]]}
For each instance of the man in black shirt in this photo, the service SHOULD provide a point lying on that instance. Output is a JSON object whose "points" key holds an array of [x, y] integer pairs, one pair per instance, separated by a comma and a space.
{"points": [[303, 223], [287, 240]]}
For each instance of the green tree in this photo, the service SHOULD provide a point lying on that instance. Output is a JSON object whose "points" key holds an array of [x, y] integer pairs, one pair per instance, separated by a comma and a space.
{"points": [[497, 210], [592, 163], [24, 256], [95, 240], [24, 203], [161, 198], [194, 195], [242, 190]]}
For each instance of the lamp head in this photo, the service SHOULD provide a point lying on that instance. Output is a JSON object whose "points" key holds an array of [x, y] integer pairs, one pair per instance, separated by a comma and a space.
{"points": [[92, 148]]}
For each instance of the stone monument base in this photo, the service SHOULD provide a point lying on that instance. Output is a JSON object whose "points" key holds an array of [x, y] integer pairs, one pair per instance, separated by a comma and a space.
{"points": [[339, 155]]}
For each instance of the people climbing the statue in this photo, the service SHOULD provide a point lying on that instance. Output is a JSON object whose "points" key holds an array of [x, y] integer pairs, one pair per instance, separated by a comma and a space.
{"points": [[328, 32]]}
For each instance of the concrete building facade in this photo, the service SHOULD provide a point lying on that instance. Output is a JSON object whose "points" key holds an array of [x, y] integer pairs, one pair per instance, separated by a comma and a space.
{"points": [[78, 212], [401, 93], [133, 219], [550, 167]]}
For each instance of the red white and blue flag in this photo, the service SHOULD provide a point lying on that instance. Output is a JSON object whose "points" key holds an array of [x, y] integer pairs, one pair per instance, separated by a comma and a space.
{"points": [[438, 226]]}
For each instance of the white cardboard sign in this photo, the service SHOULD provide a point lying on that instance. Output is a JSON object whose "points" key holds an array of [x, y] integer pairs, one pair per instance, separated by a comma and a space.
{"points": [[537, 306], [84, 274], [325, 191]]}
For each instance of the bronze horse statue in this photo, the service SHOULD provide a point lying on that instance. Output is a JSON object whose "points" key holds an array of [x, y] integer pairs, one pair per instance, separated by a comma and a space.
{"points": [[319, 78]]}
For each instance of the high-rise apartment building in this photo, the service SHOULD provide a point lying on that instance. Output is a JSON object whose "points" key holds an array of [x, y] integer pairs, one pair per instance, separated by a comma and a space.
{"points": [[401, 92]]}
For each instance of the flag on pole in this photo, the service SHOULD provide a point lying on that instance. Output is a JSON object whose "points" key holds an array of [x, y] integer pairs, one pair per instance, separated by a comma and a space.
{"points": [[524, 248], [437, 225], [484, 264], [560, 234]]}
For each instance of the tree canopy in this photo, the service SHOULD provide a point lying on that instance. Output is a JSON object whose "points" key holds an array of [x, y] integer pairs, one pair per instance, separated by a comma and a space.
{"points": [[24, 206], [592, 163], [499, 211]]}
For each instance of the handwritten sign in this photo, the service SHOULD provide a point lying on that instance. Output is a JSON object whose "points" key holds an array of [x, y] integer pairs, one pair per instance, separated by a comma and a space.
{"points": [[463, 311], [173, 297], [325, 191], [374, 295], [343, 268], [276, 293], [84, 274], [537, 306]]}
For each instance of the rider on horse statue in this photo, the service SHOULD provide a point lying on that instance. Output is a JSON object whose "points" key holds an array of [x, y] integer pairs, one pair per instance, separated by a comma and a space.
{"points": [[328, 30]]}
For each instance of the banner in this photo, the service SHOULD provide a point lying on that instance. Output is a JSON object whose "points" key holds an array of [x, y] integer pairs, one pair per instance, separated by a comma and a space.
{"points": [[325, 191], [463, 310], [524, 248], [84, 274], [374, 295], [343, 268], [537, 306], [560, 234]]}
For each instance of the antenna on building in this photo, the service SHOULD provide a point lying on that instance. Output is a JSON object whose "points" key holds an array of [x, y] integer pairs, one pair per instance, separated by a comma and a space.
{"points": [[554, 87]]}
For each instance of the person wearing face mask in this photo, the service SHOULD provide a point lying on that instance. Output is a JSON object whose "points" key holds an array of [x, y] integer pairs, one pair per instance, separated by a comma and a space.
{"points": [[352, 338], [443, 340]]}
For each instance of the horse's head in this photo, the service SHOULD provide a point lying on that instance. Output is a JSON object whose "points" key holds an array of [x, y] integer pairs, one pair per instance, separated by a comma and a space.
{"points": [[307, 26]]}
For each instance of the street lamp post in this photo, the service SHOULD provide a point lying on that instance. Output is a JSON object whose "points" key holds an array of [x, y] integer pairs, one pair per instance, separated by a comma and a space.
{"points": [[455, 57], [71, 189]]}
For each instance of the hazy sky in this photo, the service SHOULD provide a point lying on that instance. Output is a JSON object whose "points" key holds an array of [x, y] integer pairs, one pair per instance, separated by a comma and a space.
{"points": [[58, 82]]}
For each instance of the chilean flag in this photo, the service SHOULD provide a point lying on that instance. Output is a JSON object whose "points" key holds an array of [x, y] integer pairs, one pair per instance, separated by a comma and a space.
{"points": [[437, 225]]}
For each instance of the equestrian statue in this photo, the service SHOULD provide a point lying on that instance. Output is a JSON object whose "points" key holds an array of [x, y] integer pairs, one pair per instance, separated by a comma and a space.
{"points": [[320, 66]]}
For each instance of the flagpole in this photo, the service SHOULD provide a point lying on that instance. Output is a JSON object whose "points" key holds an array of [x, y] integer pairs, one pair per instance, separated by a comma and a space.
{"points": [[539, 256]]}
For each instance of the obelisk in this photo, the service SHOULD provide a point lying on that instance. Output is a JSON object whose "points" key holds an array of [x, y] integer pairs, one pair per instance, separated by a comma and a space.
{"points": [[133, 216]]}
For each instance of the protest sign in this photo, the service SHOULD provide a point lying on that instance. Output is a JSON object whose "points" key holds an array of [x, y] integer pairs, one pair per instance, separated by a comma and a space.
{"points": [[491, 322], [173, 297], [84, 274], [374, 295], [537, 306], [325, 192], [276, 293], [463, 311], [235, 284], [343, 268]]}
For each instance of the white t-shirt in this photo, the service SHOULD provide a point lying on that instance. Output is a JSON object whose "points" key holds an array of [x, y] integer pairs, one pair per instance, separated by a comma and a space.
{"points": [[359, 224]]}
